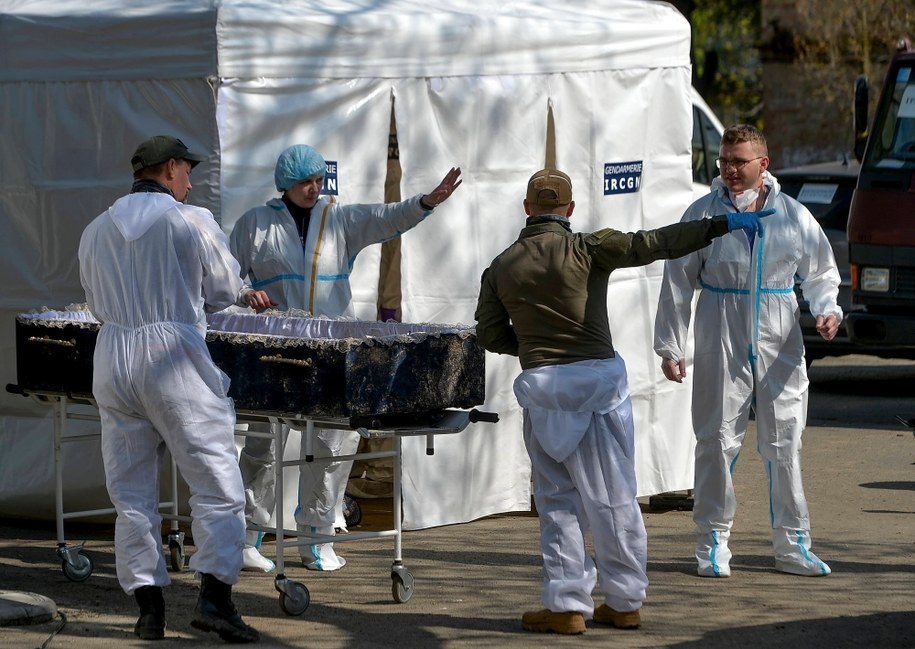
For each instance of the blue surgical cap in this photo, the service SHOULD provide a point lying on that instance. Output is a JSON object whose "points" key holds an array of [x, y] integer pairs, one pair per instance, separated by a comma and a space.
{"points": [[297, 163]]}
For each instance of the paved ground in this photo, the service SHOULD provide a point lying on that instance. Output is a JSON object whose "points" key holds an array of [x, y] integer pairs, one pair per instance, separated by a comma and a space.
{"points": [[474, 580]]}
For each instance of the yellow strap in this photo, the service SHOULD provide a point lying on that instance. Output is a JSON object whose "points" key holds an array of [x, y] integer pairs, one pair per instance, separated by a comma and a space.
{"points": [[314, 263]]}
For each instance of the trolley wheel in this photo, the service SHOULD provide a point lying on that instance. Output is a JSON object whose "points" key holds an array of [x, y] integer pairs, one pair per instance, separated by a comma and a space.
{"points": [[177, 556], [80, 569], [295, 600], [352, 511], [401, 586]]}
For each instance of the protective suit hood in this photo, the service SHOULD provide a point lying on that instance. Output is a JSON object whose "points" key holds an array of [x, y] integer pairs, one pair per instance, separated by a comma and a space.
{"points": [[134, 214]]}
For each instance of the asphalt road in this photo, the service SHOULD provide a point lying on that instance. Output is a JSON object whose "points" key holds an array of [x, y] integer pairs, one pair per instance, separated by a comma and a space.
{"points": [[473, 581]]}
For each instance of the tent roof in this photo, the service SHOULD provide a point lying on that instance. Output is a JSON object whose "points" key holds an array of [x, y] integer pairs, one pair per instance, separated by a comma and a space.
{"points": [[61, 40], [72, 40]]}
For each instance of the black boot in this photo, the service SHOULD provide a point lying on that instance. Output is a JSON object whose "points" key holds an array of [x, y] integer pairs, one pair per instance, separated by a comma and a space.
{"points": [[216, 612], [151, 625]]}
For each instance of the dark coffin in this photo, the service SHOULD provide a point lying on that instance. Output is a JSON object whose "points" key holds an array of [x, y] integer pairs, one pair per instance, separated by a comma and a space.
{"points": [[300, 365], [54, 351], [287, 363]]}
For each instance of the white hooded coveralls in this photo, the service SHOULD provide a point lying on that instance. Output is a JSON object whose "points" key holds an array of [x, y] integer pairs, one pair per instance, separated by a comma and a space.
{"points": [[310, 275], [749, 351], [151, 267]]}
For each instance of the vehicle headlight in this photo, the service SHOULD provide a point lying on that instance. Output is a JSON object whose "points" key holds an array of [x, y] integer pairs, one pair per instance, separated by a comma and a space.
{"points": [[875, 279]]}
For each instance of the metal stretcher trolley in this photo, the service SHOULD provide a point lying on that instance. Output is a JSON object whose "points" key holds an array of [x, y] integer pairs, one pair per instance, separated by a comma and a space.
{"points": [[54, 366], [383, 379]]}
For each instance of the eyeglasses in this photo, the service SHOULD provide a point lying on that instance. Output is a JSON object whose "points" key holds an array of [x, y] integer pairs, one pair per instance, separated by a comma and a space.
{"points": [[724, 163]]}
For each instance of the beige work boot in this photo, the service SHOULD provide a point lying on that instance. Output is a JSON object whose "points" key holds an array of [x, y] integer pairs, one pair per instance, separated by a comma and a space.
{"points": [[547, 621], [603, 614]]}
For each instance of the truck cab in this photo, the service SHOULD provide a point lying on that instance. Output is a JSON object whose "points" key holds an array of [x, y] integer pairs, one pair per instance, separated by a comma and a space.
{"points": [[881, 224]]}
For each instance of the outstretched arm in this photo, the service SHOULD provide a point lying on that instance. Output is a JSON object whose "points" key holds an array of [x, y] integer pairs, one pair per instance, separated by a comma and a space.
{"points": [[750, 222], [445, 189]]}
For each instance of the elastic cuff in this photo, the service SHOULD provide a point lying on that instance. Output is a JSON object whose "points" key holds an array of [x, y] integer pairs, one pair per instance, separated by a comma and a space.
{"points": [[242, 294]]}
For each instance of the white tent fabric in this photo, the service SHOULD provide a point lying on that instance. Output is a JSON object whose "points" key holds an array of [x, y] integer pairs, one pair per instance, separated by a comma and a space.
{"points": [[612, 114], [347, 122], [241, 80]]}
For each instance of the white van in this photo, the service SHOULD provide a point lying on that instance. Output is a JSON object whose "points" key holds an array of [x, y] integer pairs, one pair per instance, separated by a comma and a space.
{"points": [[707, 130]]}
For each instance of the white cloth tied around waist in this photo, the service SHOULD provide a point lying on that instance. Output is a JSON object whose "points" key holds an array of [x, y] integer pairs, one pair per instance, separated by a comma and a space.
{"points": [[560, 400]]}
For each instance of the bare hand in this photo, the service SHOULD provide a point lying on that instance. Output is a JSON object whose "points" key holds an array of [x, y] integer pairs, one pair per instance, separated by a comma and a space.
{"points": [[449, 183], [674, 370], [828, 326], [259, 301]]}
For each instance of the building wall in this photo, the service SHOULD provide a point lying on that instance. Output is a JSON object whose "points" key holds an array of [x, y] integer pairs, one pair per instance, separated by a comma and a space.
{"points": [[800, 125], [803, 124], [807, 105]]}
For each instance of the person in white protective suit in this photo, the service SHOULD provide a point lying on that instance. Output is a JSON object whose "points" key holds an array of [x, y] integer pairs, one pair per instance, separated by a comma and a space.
{"points": [[749, 350], [544, 299], [151, 267], [300, 248]]}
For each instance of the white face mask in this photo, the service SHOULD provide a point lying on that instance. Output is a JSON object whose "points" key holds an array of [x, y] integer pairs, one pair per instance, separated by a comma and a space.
{"points": [[745, 200]]}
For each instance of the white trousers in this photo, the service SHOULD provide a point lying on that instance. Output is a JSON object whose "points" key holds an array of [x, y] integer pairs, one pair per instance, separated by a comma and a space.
{"points": [[720, 417], [593, 488], [168, 395], [321, 487]]}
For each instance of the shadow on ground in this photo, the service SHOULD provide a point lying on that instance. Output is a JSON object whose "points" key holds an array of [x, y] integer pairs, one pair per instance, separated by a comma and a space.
{"points": [[884, 631]]}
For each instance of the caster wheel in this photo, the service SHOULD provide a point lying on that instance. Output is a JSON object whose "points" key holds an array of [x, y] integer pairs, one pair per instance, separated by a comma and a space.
{"points": [[402, 587], [80, 569], [296, 601], [177, 557]]}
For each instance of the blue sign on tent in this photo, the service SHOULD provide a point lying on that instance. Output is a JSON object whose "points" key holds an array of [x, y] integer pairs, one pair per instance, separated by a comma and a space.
{"points": [[622, 177], [330, 178]]}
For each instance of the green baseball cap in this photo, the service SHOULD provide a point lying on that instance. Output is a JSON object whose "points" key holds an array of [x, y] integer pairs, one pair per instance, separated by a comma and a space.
{"points": [[162, 148]]}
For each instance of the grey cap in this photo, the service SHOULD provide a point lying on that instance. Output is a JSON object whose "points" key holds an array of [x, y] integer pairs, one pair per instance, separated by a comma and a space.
{"points": [[162, 148]]}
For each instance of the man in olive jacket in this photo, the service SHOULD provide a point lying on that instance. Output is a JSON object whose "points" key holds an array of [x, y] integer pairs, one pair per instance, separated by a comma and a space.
{"points": [[544, 299]]}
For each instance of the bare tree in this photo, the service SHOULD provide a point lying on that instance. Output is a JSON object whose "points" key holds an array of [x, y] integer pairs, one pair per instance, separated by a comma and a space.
{"points": [[815, 50]]}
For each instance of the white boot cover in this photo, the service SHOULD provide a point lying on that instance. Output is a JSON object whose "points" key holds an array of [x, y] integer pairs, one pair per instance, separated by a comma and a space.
{"points": [[712, 553], [321, 556], [793, 555]]}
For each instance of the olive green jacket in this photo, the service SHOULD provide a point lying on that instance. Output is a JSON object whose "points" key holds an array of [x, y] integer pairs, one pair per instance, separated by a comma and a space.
{"points": [[544, 298]]}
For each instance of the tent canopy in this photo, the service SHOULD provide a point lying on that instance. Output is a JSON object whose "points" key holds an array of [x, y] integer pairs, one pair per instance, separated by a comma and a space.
{"points": [[470, 84], [110, 40]]}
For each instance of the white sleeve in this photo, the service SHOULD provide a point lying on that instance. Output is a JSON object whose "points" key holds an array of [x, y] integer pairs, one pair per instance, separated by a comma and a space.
{"points": [[817, 269], [222, 284], [365, 224], [240, 242]]}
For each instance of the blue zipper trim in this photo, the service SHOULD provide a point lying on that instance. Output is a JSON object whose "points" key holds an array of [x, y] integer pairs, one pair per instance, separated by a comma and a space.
{"points": [[713, 554], [277, 278], [741, 291]]}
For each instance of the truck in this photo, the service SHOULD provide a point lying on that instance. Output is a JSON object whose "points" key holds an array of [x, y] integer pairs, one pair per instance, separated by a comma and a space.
{"points": [[881, 223]]}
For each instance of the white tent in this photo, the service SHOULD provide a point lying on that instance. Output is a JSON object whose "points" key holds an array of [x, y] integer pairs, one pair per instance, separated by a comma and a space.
{"points": [[471, 84]]}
